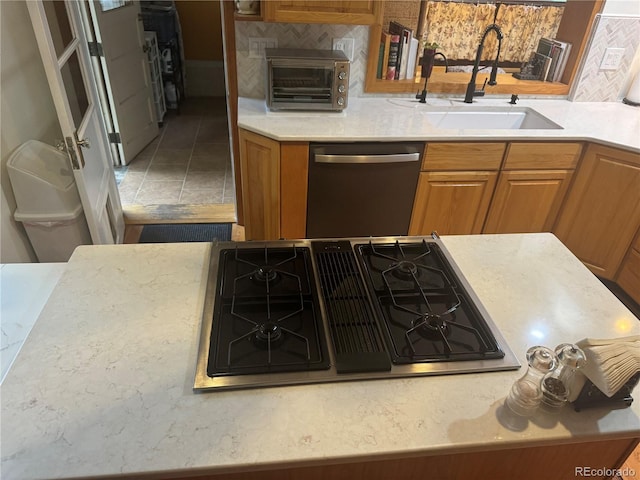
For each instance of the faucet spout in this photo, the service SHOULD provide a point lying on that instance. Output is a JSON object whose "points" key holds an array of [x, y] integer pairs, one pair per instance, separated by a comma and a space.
{"points": [[471, 87]]}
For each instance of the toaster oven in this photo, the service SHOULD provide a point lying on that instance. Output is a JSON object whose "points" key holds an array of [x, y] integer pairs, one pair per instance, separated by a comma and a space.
{"points": [[299, 79]]}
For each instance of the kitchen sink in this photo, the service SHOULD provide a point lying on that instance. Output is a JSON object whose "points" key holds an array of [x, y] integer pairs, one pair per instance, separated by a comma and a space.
{"points": [[492, 118]]}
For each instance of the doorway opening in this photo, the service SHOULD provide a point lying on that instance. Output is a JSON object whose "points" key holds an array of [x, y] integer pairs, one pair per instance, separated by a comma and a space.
{"points": [[189, 163], [185, 175]]}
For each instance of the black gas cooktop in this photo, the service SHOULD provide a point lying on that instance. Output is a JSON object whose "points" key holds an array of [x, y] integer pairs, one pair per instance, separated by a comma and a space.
{"points": [[331, 310]]}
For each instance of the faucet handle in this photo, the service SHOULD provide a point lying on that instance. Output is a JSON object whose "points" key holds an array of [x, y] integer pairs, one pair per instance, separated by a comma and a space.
{"points": [[514, 99], [480, 93], [472, 92]]}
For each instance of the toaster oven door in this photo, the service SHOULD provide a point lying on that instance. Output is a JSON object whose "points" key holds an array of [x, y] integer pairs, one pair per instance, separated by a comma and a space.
{"points": [[301, 85]]}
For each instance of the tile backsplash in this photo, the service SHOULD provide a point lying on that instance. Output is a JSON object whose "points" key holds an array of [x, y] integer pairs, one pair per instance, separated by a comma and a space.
{"points": [[594, 84]]}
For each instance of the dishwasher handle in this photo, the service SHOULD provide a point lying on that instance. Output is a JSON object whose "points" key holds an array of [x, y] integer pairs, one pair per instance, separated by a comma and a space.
{"points": [[392, 158]]}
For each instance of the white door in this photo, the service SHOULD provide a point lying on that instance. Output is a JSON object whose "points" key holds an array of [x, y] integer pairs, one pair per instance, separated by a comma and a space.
{"points": [[59, 28], [119, 31]]}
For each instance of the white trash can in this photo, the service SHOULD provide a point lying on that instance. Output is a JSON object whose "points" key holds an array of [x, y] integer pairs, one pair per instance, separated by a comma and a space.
{"points": [[48, 204], [55, 237]]}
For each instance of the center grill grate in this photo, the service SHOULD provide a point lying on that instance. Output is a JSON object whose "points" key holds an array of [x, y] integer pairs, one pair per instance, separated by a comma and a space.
{"points": [[355, 333]]}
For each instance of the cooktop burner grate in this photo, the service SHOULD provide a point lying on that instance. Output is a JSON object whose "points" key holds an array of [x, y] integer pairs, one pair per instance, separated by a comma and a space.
{"points": [[267, 319], [427, 316]]}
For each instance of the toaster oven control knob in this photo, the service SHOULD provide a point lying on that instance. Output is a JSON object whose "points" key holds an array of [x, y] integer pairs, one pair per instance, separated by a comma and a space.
{"points": [[341, 88], [340, 101], [342, 75]]}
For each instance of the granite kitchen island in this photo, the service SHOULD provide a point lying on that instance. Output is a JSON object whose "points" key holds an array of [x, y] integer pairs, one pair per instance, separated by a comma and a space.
{"points": [[103, 384]]}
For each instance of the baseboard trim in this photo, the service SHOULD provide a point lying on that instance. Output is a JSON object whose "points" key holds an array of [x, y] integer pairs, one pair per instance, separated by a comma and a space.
{"points": [[152, 214]]}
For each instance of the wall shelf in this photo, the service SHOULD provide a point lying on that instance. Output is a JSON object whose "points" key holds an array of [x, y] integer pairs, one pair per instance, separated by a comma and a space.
{"points": [[456, 82]]}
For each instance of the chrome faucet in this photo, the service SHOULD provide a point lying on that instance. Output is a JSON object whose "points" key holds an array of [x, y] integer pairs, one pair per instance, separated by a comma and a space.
{"points": [[471, 87]]}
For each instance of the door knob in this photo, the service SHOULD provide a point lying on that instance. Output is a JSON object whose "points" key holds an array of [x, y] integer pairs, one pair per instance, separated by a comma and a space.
{"points": [[84, 143]]}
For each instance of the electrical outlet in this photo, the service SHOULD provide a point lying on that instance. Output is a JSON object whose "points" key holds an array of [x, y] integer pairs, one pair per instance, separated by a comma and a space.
{"points": [[612, 59], [258, 44], [344, 44]]}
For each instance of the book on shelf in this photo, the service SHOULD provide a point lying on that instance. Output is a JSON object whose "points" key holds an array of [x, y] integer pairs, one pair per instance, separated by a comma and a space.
{"points": [[404, 57], [543, 63], [383, 57], [564, 51], [558, 52], [405, 34], [392, 61], [412, 59], [545, 45]]}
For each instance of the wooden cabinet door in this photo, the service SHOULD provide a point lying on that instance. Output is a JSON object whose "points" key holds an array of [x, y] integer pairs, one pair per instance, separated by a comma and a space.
{"points": [[602, 211], [527, 201], [356, 12], [260, 168], [452, 202]]}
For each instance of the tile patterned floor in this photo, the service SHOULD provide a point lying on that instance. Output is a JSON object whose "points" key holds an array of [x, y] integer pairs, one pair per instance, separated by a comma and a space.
{"points": [[188, 163]]}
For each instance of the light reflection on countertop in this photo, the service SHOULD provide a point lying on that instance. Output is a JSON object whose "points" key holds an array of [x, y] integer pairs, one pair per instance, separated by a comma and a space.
{"points": [[624, 325]]}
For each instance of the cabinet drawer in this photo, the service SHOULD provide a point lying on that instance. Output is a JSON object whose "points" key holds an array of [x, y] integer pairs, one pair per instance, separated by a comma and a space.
{"points": [[463, 156], [629, 277], [541, 156]]}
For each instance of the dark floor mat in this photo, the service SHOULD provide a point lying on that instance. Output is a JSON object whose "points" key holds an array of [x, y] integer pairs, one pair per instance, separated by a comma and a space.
{"points": [[197, 232]]}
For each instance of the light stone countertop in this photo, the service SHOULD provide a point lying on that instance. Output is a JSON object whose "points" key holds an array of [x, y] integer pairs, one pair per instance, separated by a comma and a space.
{"points": [[399, 119], [24, 290], [103, 384]]}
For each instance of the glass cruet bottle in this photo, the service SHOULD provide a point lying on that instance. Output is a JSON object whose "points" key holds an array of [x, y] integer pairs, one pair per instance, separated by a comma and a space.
{"points": [[556, 384], [525, 394]]}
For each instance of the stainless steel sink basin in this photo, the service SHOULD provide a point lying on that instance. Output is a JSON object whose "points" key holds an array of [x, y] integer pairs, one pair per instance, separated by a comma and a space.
{"points": [[489, 118]]}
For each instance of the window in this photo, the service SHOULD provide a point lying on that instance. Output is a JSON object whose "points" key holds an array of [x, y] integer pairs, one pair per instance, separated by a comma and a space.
{"points": [[456, 27]]}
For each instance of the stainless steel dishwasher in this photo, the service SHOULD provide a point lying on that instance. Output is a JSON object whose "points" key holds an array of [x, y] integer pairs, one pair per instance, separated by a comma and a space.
{"points": [[361, 189]]}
